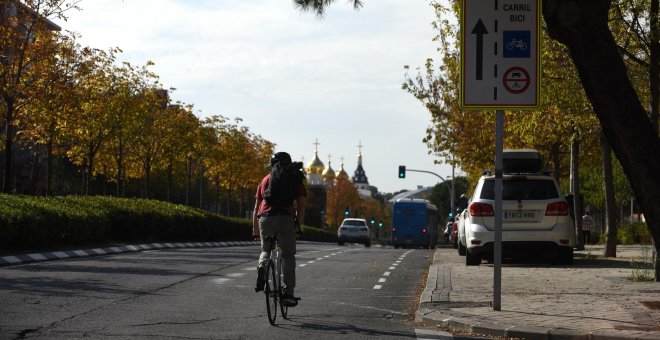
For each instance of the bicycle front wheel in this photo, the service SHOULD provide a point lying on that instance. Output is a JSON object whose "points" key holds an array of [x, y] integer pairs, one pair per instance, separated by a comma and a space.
{"points": [[272, 292]]}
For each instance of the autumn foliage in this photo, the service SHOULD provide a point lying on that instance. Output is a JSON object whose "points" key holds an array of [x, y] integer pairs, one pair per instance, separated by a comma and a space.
{"points": [[78, 120]]}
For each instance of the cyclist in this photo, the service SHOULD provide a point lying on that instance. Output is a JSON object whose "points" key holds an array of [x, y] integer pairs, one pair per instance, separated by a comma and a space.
{"points": [[280, 221]]}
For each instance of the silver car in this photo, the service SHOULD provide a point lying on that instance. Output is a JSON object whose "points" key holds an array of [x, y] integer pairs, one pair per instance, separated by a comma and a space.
{"points": [[354, 230], [536, 221]]}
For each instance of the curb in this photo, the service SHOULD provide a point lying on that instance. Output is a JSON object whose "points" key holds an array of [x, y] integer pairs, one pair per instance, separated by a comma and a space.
{"points": [[68, 254]]}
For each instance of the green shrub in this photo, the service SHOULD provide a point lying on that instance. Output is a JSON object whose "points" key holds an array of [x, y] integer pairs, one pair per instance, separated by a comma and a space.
{"points": [[28, 222], [318, 235], [634, 233]]}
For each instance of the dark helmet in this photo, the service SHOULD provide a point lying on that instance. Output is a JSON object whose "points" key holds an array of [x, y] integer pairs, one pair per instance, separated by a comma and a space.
{"points": [[280, 157]]}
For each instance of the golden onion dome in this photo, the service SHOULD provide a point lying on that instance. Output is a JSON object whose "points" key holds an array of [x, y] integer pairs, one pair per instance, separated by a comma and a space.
{"points": [[315, 166], [342, 173], [328, 173]]}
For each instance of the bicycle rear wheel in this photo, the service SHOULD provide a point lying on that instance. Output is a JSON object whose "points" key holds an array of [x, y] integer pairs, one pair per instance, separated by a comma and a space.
{"points": [[271, 291], [284, 309]]}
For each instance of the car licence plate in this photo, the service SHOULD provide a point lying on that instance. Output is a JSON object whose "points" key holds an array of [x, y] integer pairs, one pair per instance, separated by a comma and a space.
{"points": [[519, 215]]}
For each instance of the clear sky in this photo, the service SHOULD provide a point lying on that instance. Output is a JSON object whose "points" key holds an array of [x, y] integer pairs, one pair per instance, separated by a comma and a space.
{"points": [[291, 77]]}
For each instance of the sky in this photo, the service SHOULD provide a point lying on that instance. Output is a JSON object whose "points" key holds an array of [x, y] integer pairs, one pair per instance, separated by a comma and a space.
{"points": [[291, 77]]}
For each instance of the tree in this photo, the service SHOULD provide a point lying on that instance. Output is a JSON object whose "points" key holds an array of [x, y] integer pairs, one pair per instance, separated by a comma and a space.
{"points": [[41, 120], [150, 132], [123, 109], [25, 29], [441, 194], [90, 123], [582, 26], [343, 194], [182, 131], [235, 163]]}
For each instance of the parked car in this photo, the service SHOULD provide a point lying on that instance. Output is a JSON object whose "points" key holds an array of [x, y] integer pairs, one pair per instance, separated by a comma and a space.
{"points": [[460, 218], [354, 230], [535, 217]]}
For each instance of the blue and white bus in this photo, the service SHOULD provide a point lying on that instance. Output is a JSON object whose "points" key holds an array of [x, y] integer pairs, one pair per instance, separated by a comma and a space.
{"points": [[414, 223]]}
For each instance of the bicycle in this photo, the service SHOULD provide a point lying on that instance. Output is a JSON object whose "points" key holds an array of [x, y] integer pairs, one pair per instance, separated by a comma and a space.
{"points": [[515, 43], [274, 277]]}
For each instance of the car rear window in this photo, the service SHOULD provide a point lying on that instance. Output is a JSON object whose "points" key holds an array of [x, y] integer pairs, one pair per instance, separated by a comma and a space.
{"points": [[355, 223], [521, 189]]}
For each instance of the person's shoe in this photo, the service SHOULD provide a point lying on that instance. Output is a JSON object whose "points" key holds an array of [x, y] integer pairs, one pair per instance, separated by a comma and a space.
{"points": [[289, 301], [261, 279]]}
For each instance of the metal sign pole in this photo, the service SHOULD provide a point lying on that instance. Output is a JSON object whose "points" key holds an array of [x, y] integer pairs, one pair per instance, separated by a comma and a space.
{"points": [[500, 69], [497, 247]]}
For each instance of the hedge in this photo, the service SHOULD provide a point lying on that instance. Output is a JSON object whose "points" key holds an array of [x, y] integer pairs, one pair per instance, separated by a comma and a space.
{"points": [[48, 222], [634, 233]]}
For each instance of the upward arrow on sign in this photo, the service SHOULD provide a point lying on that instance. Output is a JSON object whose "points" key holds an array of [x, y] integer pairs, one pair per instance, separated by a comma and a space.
{"points": [[480, 29]]}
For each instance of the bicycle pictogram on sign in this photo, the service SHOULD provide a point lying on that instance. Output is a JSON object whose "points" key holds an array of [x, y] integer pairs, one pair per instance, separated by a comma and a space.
{"points": [[516, 80]]}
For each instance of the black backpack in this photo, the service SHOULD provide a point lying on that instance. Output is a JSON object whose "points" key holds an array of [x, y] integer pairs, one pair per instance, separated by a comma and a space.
{"points": [[284, 183]]}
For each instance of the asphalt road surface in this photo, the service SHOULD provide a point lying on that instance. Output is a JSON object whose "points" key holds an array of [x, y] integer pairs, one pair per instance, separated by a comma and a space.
{"points": [[348, 292]]}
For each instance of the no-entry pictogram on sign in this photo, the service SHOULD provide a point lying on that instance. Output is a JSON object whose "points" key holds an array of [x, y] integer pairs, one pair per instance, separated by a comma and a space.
{"points": [[516, 80], [500, 54]]}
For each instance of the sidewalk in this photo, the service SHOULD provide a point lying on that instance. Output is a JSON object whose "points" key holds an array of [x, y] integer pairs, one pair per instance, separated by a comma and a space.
{"points": [[591, 299]]}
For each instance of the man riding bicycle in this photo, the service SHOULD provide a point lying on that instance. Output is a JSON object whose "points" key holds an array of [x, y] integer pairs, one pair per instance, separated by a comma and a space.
{"points": [[280, 221]]}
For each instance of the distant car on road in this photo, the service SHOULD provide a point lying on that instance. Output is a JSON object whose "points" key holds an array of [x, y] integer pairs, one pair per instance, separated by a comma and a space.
{"points": [[535, 217], [354, 230]]}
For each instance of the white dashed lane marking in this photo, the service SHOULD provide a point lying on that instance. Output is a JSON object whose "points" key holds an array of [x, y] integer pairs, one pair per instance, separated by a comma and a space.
{"points": [[392, 267], [230, 276]]}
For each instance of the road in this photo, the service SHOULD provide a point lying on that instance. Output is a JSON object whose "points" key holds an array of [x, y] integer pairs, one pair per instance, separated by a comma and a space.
{"points": [[347, 292]]}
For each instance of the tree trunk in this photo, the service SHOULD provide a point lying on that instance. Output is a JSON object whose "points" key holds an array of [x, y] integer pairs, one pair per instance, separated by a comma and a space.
{"points": [[188, 180], [147, 175], [89, 171], [556, 160], [610, 203], [575, 189], [201, 186], [49, 166], [216, 205], [34, 173], [582, 27], [654, 65], [120, 167], [170, 167], [9, 118]]}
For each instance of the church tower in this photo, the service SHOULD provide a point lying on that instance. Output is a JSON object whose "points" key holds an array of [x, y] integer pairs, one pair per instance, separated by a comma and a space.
{"points": [[316, 191], [315, 168], [359, 178], [329, 176], [342, 173]]}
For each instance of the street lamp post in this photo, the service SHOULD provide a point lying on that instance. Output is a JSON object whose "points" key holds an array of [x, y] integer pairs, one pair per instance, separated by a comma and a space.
{"points": [[451, 185]]}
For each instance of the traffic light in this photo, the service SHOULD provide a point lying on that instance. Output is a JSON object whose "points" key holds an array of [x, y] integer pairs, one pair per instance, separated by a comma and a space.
{"points": [[347, 211], [380, 223], [372, 221], [402, 171]]}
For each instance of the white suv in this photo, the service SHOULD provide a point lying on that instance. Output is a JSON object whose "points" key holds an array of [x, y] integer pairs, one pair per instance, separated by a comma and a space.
{"points": [[536, 220], [354, 230]]}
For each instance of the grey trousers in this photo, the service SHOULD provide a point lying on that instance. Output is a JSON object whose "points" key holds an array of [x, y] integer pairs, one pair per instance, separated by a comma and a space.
{"points": [[284, 228]]}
